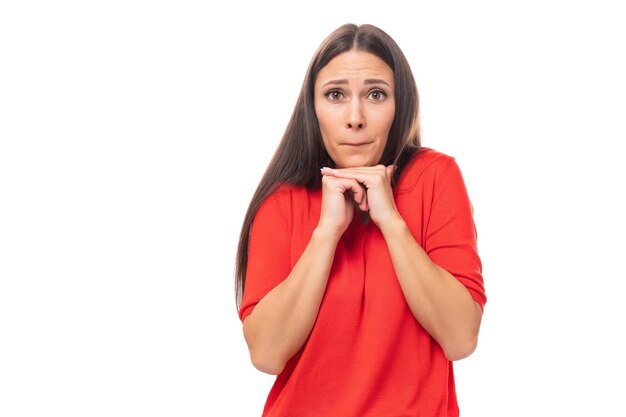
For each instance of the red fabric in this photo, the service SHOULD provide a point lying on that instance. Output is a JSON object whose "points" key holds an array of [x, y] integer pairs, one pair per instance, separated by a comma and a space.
{"points": [[367, 356]]}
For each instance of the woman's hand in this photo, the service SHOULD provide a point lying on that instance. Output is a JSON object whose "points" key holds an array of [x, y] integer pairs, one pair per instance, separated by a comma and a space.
{"points": [[377, 182], [337, 206]]}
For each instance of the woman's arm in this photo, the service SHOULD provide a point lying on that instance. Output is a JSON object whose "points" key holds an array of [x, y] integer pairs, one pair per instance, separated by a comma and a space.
{"points": [[282, 321], [439, 302], [437, 299]]}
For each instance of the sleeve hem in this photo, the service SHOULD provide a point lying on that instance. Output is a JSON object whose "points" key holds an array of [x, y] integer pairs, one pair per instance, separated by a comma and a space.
{"points": [[246, 312], [478, 297]]}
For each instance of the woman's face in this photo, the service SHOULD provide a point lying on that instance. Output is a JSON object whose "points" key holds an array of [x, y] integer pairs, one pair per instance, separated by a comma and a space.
{"points": [[355, 107]]}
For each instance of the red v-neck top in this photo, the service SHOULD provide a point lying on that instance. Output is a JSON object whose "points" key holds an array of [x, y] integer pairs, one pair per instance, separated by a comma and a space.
{"points": [[367, 356]]}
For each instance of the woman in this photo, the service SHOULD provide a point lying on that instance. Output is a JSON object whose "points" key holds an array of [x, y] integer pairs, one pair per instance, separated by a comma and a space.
{"points": [[360, 282]]}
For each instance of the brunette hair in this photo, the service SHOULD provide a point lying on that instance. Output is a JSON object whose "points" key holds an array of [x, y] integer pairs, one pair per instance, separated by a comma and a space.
{"points": [[301, 152]]}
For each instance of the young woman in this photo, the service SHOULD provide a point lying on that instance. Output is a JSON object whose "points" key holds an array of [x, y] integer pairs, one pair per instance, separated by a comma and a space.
{"points": [[358, 277]]}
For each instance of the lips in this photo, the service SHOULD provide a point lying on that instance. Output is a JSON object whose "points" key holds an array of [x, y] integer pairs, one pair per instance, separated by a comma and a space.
{"points": [[357, 144]]}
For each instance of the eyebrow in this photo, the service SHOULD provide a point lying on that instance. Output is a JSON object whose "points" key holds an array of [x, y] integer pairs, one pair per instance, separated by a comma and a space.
{"points": [[366, 82]]}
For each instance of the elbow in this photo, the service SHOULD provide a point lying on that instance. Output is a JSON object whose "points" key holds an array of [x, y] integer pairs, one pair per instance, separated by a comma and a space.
{"points": [[461, 349], [266, 364], [463, 343], [262, 356]]}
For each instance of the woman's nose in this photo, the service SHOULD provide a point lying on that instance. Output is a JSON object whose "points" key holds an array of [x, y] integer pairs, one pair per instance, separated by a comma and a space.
{"points": [[355, 118]]}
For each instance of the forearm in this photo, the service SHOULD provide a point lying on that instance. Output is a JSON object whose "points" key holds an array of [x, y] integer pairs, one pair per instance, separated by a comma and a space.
{"points": [[282, 321], [439, 302]]}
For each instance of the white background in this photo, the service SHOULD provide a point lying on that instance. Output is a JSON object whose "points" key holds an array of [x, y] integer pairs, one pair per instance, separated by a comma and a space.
{"points": [[134, 133]]}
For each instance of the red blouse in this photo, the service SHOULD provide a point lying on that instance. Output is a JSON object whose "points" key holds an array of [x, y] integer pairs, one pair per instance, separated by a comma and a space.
{"points": [[367, 356]]}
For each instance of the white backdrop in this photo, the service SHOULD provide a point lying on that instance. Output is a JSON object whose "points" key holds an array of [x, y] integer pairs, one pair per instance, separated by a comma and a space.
{"points": [[133, 134]]}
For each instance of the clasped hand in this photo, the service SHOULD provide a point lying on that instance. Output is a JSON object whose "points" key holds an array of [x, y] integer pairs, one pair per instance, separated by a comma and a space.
{"points": [[368, 187]]}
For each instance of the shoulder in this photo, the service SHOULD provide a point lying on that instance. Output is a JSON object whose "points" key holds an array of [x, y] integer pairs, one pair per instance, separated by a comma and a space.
{"points": [[287, 193], [425, 164], [283, 198]]}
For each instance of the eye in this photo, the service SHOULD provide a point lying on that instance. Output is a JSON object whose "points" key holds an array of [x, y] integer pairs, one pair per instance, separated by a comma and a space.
{"points": [[377, 95], [334, 95]]}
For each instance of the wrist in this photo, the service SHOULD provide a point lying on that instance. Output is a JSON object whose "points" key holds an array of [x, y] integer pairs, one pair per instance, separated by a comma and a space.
{"points": [[393, 225], [326, 234]]}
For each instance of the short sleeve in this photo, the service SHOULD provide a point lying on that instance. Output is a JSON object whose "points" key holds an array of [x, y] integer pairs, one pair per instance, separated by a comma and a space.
{"points": [[268, 251], [451, 237]]}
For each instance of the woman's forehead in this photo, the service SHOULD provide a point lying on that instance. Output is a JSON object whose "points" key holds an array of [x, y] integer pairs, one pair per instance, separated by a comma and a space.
{"points": [[355, 65]]}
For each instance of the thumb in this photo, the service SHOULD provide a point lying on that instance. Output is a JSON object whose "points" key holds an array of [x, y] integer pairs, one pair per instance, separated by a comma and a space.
{"points": [[390, 170]]}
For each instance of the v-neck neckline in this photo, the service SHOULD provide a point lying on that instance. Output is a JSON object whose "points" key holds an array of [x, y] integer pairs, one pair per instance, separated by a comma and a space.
{"points": [[363, 218]]}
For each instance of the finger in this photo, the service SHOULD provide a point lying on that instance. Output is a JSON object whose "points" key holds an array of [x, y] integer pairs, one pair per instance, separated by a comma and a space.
{"points": [[367, 177], [360, 198], [345, 185], [362, 205], [348, 172], [357, 191], [350, 194]]}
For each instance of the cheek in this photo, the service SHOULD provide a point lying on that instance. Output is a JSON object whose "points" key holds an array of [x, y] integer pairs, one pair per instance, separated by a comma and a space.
{"points": [[329, 123], [322, 121], [383, 123], [388, 116]]}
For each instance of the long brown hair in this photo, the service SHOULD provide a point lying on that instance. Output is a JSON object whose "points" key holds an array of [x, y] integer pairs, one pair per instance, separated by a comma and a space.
{"points": [[301, 152]]}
